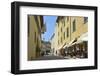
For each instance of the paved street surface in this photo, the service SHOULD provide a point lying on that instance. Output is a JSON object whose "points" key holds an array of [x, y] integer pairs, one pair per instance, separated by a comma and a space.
{"points": [[49, 57]]}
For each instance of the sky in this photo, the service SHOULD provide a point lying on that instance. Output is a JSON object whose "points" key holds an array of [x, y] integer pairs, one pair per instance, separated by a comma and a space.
{"points": [[50, 22]]}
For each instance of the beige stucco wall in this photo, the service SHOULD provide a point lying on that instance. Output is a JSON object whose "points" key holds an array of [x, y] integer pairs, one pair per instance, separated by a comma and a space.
{"points": [[67, 25], [81, 28], [34, 41]]}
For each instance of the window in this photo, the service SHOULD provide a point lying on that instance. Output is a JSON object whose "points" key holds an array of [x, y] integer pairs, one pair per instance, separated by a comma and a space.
{"points": [[58, 24], [61, 29], [35, 37], [85, 19], [36, 20], [61, 39], [67, 32], [67, 18], [64, 35], [74, 26], [64, 22]]}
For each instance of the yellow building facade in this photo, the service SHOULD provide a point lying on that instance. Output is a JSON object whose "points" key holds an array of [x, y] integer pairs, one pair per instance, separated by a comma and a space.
{"points": [[81, 27], [69, 29], [35, 28], [54, 41]]}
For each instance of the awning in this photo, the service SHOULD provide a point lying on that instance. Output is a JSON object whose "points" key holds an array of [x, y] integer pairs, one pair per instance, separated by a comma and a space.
{"points": [[83, 37], [72, 42], [61, 47], [65, 45]]}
